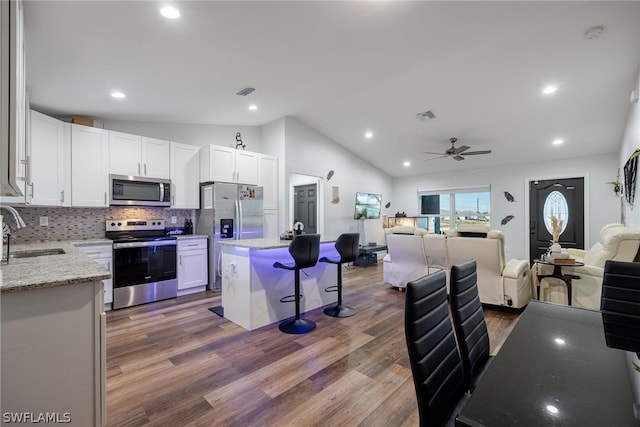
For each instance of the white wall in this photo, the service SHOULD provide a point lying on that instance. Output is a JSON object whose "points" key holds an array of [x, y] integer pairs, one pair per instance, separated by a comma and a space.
{"points": [[308, 152], [630, 143], [602, 205], [193, 134]]}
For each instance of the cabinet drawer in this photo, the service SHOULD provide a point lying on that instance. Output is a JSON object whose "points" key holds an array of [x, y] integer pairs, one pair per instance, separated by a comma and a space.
{"points": [[191, 244], [96, 251]]}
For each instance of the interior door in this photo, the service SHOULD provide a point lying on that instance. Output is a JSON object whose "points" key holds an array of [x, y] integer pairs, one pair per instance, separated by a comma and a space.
{"points": [[305, 207], [563, 198]]}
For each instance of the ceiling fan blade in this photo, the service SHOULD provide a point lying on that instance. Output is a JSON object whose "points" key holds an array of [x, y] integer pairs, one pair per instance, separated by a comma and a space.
{"points": [[461, 149], [437, 154], [473, 153], [435, 158], [458, 157]]}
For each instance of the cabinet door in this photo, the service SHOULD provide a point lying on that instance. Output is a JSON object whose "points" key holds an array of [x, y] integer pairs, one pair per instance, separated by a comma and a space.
{"points": [[89, 166], [268, 180], [108, 284], [47, 165], [217, 163], [185, 170], [155, 158], [246, 167], [271, 230], [192, 268], [125, 153]]}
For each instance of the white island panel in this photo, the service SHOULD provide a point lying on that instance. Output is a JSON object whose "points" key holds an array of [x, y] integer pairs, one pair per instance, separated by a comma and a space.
{"points": [[252, 287]]}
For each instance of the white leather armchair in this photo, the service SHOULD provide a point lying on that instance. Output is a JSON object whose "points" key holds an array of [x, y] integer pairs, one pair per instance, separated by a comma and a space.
{"points": [[405, 259], [616, 242], [499, 283]]}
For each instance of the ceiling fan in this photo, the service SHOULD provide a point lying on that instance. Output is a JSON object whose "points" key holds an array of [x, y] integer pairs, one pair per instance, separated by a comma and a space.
{"points": [[457, 153]]}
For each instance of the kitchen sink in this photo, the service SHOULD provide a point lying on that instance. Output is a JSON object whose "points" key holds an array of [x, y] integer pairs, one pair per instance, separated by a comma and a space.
{"points": [[37, 253]]}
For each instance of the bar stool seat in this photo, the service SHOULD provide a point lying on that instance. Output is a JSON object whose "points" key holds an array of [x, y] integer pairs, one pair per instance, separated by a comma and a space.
{"points": [[347, 247], [304, 250]]}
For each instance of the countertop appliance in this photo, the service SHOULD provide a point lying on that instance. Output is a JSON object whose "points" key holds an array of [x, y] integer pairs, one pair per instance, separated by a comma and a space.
{"points": [[144, 261], [228, 211], [127, 190]]}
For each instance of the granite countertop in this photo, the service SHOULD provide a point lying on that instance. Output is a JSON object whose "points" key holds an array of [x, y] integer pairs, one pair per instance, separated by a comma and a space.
{"points": [[266, 243], [72, 267], [191, 236]]}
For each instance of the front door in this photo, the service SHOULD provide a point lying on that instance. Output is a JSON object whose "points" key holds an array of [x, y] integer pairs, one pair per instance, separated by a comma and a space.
{"points": [[305, 207], [564, 199]]}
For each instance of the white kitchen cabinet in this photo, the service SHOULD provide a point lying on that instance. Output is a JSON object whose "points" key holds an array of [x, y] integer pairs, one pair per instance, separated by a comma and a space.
{"points": [[192, 265], [271, 230], [103, 255], [89, 166], [185, 172], [226, 164], [268, 180], [138, 156], [48, 184]]}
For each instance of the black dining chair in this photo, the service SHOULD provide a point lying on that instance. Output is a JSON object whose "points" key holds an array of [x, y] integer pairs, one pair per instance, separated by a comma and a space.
{"points": [[347, 246], [468, 321], [620, 305], [435, 363], [304, 250]]}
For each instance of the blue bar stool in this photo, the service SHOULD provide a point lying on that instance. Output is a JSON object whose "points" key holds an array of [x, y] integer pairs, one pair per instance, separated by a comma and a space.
{"points": [[305, 250], [347, 247]]}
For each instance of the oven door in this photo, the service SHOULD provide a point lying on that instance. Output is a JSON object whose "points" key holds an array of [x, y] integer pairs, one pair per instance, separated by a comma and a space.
{"points": [[135, 263]]}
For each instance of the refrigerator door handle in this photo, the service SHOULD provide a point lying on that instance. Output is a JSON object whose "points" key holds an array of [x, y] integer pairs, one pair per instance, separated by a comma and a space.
{"points": [[240, 218]]}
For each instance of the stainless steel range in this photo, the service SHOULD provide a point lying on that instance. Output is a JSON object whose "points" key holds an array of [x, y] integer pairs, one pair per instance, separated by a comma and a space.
{"points": [[144, 261]]}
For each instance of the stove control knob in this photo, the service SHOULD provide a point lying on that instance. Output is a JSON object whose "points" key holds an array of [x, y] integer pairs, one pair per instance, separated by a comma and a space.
{"points": [[153, 223], [113, 224], [119, 224]]}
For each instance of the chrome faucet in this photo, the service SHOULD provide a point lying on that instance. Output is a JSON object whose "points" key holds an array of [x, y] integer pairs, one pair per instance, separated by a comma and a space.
{"points": [[16, 216]]}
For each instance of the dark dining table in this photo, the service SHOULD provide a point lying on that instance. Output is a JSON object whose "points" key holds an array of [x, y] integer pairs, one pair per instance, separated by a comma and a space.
{"points": [[554, 369]]}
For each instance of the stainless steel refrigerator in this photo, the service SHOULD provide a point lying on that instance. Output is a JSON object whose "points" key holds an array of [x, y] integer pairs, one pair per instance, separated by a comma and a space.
{"points": [[228, 211]]}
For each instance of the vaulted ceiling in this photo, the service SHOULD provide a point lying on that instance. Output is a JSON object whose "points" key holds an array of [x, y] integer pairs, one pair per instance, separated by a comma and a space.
{"points": [[346, 68]]}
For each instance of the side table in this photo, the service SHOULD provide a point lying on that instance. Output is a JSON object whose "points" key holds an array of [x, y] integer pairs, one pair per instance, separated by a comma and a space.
{"points": [[557, 273]]}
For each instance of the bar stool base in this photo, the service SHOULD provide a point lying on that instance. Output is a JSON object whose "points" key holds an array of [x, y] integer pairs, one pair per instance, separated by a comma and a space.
{"points": [[339, 311], [297, 326]]}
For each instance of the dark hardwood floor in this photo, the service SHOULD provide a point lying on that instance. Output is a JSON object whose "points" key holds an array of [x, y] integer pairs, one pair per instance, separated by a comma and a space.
{"points": [[174, 363]]}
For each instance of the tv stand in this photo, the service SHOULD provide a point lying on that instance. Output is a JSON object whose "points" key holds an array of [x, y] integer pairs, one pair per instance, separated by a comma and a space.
{"points": [[367, 255]]}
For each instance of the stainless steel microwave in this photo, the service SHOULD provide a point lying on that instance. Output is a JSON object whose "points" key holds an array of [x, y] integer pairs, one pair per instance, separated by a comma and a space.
{"points": [[126, 190]]}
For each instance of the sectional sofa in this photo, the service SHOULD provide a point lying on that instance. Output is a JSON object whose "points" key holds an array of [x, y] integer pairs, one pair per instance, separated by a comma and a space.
{"points": [[413, 252]]}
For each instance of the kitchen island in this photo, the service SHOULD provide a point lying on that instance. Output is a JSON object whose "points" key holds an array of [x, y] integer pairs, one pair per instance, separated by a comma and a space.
{"points": [[252, 287], [53, 353]]}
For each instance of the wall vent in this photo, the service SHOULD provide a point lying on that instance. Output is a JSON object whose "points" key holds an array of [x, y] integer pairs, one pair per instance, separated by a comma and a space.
{"points": [[245, 91], [427, 115]]}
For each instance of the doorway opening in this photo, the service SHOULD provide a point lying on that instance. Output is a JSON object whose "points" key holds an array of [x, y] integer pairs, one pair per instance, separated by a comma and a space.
{"points": [[305, 203]]}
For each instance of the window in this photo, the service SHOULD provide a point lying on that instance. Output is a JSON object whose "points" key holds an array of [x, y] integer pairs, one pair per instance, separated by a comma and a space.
{"points": [[455, 207]]}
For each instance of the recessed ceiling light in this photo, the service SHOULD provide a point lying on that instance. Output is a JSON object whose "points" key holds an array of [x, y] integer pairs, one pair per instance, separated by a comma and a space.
{"points": [[406, 164], [548, 90], [117, 94], [368, 135], [558, 141], [552, 409], [253, 107], [170, 12]]}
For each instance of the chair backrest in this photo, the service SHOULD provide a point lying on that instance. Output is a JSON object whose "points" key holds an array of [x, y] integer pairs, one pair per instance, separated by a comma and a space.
{"points": [[348, 247], [616, 242], [620, 305], [435, 362], [305, 249], [435, 249], [406, 248], [468, 319]]}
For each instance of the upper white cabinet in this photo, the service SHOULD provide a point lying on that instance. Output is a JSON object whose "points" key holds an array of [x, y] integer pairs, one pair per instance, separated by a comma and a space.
{"points": [[185, 171], [138, 156], [48, 183], [268, 180], [226, 164], [89, 166]]}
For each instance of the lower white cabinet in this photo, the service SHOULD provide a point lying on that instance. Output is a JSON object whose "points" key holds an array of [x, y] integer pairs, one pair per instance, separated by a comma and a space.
{"points": [[103, 255], [192, 264]]}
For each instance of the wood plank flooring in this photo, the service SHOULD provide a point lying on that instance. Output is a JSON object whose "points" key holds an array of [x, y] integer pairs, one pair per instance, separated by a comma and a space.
{"points": [[175, 363]]}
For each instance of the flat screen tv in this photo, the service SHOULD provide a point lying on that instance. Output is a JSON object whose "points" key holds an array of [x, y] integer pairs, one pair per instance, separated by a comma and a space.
{"points": [[368, 206]]}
